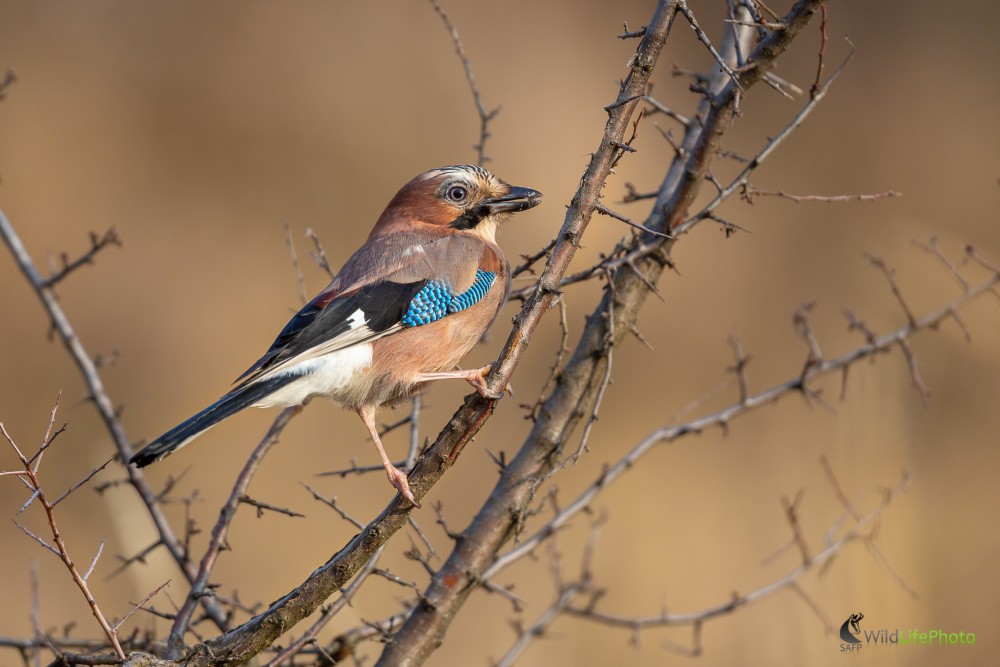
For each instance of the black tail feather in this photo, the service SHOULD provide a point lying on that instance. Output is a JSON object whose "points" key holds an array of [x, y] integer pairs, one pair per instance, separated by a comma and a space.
{"points": [[225, 407]]}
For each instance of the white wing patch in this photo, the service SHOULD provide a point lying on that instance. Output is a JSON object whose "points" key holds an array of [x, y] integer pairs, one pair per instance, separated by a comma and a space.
{"points": [[357, 319], [327, 376]]}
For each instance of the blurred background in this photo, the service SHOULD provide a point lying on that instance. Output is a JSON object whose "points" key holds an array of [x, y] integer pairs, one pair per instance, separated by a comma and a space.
{"points": [[200, 130]]}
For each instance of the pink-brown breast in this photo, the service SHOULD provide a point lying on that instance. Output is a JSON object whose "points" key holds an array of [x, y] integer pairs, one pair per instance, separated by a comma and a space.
{"points": [[398, 360]]}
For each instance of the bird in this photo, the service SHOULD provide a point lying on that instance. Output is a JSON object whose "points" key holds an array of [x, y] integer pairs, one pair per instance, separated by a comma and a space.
{"points": [[402, 311]]}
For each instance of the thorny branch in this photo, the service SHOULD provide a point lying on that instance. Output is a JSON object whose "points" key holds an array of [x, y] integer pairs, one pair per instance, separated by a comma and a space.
{"points": [[632, 269], [503, 513], [815, 369], [863, 529], [29, 476], [95, 385], [258, 633]]}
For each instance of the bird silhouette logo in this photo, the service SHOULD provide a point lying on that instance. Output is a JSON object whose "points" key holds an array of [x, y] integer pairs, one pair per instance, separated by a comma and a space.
{"points": [[851, 628]]}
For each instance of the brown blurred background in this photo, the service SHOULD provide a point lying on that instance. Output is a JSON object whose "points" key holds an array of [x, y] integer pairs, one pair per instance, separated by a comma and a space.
{"points": [[199, 130]]}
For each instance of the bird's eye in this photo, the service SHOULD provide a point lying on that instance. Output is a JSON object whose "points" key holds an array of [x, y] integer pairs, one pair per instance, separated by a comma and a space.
{"points": [[457, 193]]}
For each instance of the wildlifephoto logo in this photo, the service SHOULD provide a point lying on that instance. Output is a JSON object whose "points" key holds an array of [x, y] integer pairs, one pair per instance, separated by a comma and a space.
{"points": [[853, 639], [851, 628]]}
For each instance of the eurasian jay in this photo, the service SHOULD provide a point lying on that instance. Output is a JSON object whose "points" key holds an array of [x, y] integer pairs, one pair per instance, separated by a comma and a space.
{"points": [[403, 310]]}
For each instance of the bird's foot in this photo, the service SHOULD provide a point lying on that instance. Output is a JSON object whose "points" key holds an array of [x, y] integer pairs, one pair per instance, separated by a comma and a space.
{"points": [[398, 479], [477, 378]]}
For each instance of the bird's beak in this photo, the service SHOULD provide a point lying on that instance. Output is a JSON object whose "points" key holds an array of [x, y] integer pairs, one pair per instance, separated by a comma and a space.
{"points": [[518, 199]]}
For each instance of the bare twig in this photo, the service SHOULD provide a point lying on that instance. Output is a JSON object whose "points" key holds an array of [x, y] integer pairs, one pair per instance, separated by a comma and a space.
{"points": [[530, 260], [604, 210], [772, 144], [58, 545], [662, 108], [890, 276], [749, 193], [95, 385], [722, 418], [299, 278], [484, 116], [822, 52], [739, 368], [319, 253], [97, 244], [632, 34], [226, 514], [93, 563], [609, 346], [703, 38], [141, 604], [934, 250], [789, 580], [261, 506], [332, 504]]}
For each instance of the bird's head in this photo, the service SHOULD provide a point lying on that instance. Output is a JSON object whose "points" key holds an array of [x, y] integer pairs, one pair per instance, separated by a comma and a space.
{"points": [[464, 198]]}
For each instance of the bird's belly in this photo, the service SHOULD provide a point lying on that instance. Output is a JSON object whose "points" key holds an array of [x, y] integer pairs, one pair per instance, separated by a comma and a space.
{"points": [[332, 376]]}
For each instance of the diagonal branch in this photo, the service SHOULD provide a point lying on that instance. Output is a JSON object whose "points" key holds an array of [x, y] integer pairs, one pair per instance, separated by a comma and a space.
{"points": [[258, 633], [576, 388]]}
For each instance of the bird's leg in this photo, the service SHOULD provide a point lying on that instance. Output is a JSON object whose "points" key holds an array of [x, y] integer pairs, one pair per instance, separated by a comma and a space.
{"points": [[476, 377], [396, 476]]}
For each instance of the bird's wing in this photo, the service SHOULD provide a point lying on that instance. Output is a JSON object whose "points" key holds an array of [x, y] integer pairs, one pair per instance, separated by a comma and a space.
{"points": [[385, 287]]}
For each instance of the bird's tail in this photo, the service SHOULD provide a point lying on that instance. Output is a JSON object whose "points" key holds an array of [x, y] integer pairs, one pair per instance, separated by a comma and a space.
{"points": [[225, 407]]}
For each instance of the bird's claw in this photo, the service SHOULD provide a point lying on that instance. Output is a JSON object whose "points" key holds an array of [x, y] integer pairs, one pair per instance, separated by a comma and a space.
{"points": [[398, 479], [478, 380]]}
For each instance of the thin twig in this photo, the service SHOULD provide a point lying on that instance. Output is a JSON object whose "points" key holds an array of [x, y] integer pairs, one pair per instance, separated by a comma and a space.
{"points": [[319, 253], [748, 193], [604, 210], [890, 276], [198, 587], [97, 244], [261, 506], [141, 604], [703, 38], [609, 347], [332, 504], [789, 580], [757, 160], [8, 80], [484, 116], [822, 51], [95, 385], [934, 250], [722, 418], [300, 279], [58, 545]]}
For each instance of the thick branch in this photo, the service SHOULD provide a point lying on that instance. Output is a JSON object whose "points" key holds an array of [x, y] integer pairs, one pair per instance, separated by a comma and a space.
{"points": [[494, 525]]}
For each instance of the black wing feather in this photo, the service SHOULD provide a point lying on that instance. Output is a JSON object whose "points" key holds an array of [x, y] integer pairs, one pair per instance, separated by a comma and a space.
{"points": [[322, 319], [226, 406]]}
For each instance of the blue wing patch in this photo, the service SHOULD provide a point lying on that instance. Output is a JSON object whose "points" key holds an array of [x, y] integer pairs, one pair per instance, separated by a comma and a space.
{"points": [[436, 300]]}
